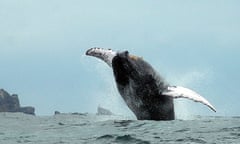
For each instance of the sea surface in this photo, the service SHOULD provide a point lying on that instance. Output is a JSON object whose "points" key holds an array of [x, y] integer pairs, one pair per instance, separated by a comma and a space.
{"points": [[78, 128]]}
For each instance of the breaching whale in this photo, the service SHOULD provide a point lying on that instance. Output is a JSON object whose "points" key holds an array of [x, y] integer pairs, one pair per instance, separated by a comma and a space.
{"points": [[142, 88]]}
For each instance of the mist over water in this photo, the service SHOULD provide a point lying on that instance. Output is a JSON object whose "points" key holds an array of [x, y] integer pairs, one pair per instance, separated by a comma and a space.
{"points": [[196, 80], [108, 96]]}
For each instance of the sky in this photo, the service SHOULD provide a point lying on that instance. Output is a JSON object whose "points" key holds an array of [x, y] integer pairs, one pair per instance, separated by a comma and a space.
{"points": [[195, 44]]}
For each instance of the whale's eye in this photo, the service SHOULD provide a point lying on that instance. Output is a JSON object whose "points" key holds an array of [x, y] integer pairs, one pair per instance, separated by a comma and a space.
{"points": [[126, 53], [123, 54]]}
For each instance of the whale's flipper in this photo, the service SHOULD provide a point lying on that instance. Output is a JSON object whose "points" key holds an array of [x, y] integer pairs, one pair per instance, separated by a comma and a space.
{"points": [[181, 92], [104, 54]]}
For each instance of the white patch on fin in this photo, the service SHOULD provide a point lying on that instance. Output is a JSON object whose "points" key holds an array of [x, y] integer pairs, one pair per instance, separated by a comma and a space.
{"points": [[104, 54], [181, 92]]}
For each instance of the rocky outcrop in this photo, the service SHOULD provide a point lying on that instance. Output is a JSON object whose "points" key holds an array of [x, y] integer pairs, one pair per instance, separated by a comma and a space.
{"points": [[10, 103], [57, 112], [103, 111], [74, 113]]}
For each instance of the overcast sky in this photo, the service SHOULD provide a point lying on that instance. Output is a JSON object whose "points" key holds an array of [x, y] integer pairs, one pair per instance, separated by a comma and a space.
{"points": [[195, 44]]}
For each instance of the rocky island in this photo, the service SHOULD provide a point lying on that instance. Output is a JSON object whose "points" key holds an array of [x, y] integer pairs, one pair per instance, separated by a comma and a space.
{"points": [[10, 103], [103, 111]]}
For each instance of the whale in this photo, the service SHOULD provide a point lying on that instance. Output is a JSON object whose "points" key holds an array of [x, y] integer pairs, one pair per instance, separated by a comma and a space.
{"points": [[144, 91]]}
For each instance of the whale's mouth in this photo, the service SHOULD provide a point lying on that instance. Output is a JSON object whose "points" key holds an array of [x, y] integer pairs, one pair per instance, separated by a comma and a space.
{"points": [[104, 54]]}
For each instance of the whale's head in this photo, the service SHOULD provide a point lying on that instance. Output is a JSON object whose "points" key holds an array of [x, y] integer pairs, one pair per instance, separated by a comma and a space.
{"points": [[125, 66], [128, 67], [107, 55]]}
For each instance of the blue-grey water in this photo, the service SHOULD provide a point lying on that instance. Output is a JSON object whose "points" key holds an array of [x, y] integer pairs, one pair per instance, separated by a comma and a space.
{"points": [[18, 128]]}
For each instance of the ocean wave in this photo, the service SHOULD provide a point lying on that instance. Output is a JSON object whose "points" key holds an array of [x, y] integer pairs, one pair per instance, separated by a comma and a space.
{"points": [[88, 129]]}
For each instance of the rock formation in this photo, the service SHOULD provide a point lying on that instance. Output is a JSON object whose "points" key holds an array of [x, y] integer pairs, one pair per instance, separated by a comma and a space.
{"points": [[103, 111], [10, 103]]}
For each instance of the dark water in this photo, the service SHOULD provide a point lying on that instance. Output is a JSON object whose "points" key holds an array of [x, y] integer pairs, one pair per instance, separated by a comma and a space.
{"points": [[76, 129]]}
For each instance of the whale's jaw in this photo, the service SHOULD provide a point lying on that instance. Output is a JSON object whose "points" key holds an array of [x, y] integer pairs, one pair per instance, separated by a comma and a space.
{"points": [[106, 55]]}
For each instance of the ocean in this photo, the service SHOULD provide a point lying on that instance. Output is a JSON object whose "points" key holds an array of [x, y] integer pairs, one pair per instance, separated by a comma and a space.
{"points": [[79, 128]]}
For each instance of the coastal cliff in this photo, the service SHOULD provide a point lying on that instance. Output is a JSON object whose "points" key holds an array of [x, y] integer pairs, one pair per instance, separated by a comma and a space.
{"points": [[10, 103]]}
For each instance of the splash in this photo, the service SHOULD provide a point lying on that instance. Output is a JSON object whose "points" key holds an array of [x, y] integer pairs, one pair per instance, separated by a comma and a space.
{"points": [[109, 97], [185, 109]]}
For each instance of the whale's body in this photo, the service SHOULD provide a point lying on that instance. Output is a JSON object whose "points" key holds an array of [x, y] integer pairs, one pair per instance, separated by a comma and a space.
{"points": [[142, 88]]}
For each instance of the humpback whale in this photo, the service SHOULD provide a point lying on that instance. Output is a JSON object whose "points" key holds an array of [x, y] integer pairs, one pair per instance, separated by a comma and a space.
{"points": [[144, 91]]}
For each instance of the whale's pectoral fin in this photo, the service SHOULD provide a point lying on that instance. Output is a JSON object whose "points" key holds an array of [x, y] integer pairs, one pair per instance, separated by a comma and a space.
{"points": [[181, 92], [104, 54]]}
